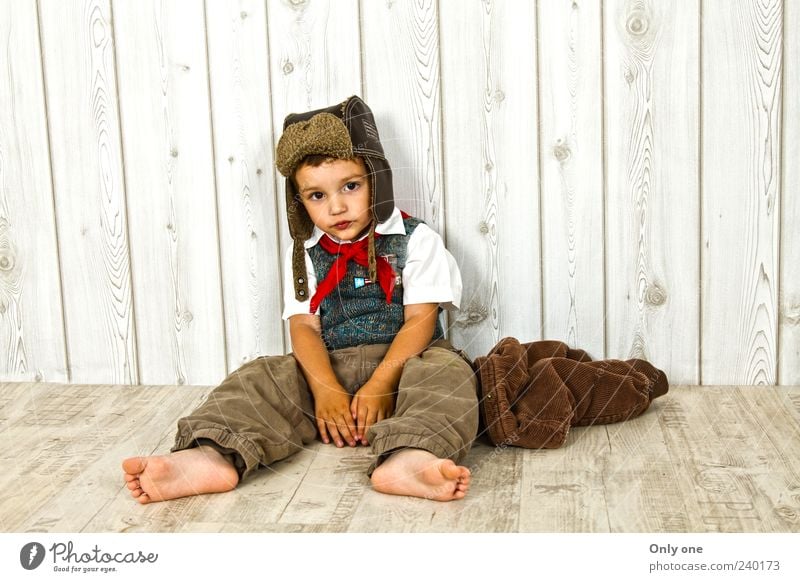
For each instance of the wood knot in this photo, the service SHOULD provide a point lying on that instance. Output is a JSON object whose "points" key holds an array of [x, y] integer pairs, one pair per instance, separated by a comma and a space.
{"points": [[476, 315], [655, 295], [6, 262], [243, 15], [561, 151], [288, 68], [483, 227], [716, 479], [637, 23], [791, 315], [499, 96], [787, 513], [472, 315]]}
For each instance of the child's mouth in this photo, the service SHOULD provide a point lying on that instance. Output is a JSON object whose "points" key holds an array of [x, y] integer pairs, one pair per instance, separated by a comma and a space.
{"points": [[342, 225]]}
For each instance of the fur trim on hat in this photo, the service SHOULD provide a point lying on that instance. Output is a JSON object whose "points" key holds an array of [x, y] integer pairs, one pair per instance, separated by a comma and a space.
{"points": [[323, 134]]}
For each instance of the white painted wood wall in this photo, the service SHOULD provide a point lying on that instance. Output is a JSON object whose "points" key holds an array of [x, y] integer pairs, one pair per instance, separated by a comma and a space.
{"points": [[622, 175]]}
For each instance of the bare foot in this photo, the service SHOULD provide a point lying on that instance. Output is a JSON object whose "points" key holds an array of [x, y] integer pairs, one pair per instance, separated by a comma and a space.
{"points": [[187, 472], [419, 473]]}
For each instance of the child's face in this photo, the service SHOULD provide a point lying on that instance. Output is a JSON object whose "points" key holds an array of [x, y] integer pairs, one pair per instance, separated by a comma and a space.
{"points": [[336, 196]]}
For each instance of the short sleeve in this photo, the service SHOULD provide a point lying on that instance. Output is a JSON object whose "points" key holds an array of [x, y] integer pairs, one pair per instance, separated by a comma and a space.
{"points": [[431, 274], [292, 306]]}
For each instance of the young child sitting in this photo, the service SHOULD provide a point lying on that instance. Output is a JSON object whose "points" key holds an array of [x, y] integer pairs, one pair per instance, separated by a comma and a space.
{"points": [[364, 284]]}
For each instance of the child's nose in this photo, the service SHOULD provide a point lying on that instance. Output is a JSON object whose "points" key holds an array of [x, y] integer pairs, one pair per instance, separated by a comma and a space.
{"points": [[337, 205]]}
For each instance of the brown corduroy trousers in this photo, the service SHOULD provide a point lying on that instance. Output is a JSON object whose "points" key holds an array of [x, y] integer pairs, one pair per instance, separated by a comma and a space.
{"points": [[264, 412]]}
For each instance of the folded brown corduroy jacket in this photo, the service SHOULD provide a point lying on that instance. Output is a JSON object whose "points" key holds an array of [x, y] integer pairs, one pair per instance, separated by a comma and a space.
{"points": [[532, 393]]}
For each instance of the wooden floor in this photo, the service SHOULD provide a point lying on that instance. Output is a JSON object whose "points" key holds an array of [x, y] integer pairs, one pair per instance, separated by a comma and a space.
{"points": [[702, 459]]}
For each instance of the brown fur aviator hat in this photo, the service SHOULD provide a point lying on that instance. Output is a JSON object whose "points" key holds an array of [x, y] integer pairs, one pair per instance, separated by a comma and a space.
{"points": [[342, 131]]}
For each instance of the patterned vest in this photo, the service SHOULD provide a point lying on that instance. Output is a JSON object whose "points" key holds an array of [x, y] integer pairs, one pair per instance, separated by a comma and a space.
{"points": [[356, 312]]}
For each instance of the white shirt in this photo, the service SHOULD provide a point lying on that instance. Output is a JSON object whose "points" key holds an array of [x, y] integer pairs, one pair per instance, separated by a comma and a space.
{"points": [[431, 274]]}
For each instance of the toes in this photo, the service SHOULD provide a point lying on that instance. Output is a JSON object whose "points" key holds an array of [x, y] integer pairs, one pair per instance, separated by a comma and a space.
{"points": [[134, 485], [454, 472], [450, 470], [134, 465], [140, 495]]}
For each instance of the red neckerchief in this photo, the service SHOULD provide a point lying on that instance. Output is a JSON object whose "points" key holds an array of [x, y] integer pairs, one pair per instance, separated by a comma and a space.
{"points": [[358, 252]]}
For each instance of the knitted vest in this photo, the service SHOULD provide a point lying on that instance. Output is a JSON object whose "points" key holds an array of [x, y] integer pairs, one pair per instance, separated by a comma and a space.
{"points": [[356, 311]]}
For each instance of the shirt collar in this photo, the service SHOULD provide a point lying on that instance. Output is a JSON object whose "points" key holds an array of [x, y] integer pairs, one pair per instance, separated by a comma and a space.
{"points": [[392, 225]]}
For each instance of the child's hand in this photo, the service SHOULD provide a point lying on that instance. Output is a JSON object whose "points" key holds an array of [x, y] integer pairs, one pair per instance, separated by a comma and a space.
{"points": [[372, 403], [333, 418]]}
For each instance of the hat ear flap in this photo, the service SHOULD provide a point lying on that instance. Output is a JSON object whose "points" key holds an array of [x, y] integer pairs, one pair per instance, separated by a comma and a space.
{"points": [[300, 225]]}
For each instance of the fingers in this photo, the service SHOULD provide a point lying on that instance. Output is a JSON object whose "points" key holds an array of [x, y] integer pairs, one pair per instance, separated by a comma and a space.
{"points": [[347, 430], [322, 427], [370, 416], [337, 429], [361, 421]]}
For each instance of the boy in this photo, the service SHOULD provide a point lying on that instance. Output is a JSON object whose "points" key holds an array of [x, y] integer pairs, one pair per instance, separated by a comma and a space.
{"points": [[364, 285]]}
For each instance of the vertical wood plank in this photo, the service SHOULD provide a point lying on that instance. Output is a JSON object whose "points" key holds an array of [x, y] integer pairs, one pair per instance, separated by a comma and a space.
{"points": [[491, 151], [80, 79], [401, 83], [31, 317], [571, 89], [652, 116], [251, 261], [163, 87], [315, 61], [789, 315], [742, 59]]}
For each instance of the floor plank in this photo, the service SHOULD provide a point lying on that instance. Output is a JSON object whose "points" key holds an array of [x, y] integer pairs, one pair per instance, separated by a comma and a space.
{"points": [[640, 476], [702, 459], [716, 449], [563, 488], [494, 484]]}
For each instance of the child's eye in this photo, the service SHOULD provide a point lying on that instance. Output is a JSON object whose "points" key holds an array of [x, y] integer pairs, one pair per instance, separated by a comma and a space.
{"points": [[351, 186], [316, 196]]}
